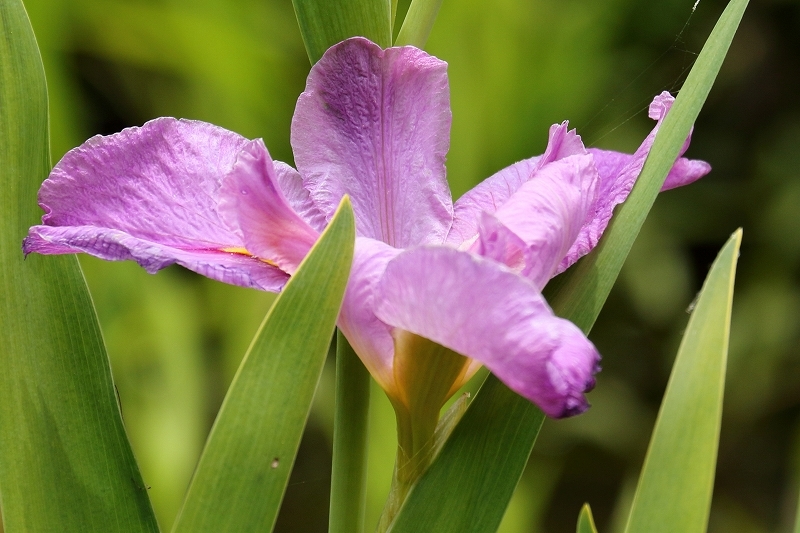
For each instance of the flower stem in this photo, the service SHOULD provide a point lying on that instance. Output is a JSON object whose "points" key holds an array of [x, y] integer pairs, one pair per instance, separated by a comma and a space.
{"points": [[414, 455], [425, 375], [349, 473]]}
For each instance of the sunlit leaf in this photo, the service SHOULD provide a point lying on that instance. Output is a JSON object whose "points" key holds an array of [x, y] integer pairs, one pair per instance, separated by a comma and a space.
{"points": [[586, 520], [65, 462], [242, 474], [677, 480], [324, 23], [486, 466]]}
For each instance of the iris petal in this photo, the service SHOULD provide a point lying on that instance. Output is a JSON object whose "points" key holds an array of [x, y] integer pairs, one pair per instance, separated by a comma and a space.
{"points": [[483, 311], [618, 173], [150, 194], [370, 338], [375, 124], [251, 199], [547, 212]]}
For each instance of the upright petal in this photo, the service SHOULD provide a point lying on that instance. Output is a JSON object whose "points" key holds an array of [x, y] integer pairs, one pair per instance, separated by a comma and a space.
{"points": [[618, 173], [493, 192], [150, 194], [375, 124], [483, 311], [251, 199]]}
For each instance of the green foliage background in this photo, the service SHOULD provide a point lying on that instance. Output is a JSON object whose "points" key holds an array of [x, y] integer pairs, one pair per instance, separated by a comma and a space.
{"points": [[516, 66]]}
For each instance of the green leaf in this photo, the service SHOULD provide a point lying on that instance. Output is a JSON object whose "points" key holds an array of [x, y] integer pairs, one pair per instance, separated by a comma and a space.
{"points": [[65, 461], [350, 432], [471, 459], [242, 474], [586, 520], [677, 480], [418, 23], [797, 519], [324, 23]]}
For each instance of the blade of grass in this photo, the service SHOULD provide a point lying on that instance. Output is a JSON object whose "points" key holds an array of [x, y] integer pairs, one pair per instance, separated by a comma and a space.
{"points": [[677, 480], [65, 461], [241, 477], [468, 458], [324, 23], [350, 431]]}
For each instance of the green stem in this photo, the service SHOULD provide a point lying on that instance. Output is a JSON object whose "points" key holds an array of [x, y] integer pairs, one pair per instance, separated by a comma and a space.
{"points": [[425, 373], [415, 451], [349, 474]]}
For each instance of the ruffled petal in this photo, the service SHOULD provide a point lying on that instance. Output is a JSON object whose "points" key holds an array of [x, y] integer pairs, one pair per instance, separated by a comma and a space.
{"points": [[375, 124], [618, 173], [149, 194], [251, 199], [370, 338], [489, 195], [483, 311], [546, 214]]}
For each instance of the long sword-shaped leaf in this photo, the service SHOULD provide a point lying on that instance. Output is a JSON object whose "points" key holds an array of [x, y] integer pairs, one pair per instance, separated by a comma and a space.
{"points": [[797, 519], [466, 462], [65, 462], [324, 23], [674, 491], [242, 474]]}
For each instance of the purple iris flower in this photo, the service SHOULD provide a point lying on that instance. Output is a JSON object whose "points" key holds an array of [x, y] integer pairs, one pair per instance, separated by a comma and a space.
{"points": [[375, 125]]}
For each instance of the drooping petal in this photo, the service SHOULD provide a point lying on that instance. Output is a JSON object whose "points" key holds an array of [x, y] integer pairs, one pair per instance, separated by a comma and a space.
{"points": [[375, 124], [150, 194], [684, 172], [370, 338], [251, 199], [618, 173], [112, 245], [489, 195], [483, 311], [546, 214]]}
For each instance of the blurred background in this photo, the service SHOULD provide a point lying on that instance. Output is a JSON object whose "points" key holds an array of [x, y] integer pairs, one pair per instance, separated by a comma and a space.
{"points": [[516, 67]]}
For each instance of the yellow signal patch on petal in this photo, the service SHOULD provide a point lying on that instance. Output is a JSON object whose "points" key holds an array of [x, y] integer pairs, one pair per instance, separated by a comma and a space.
{"points": [[243, 251]]}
